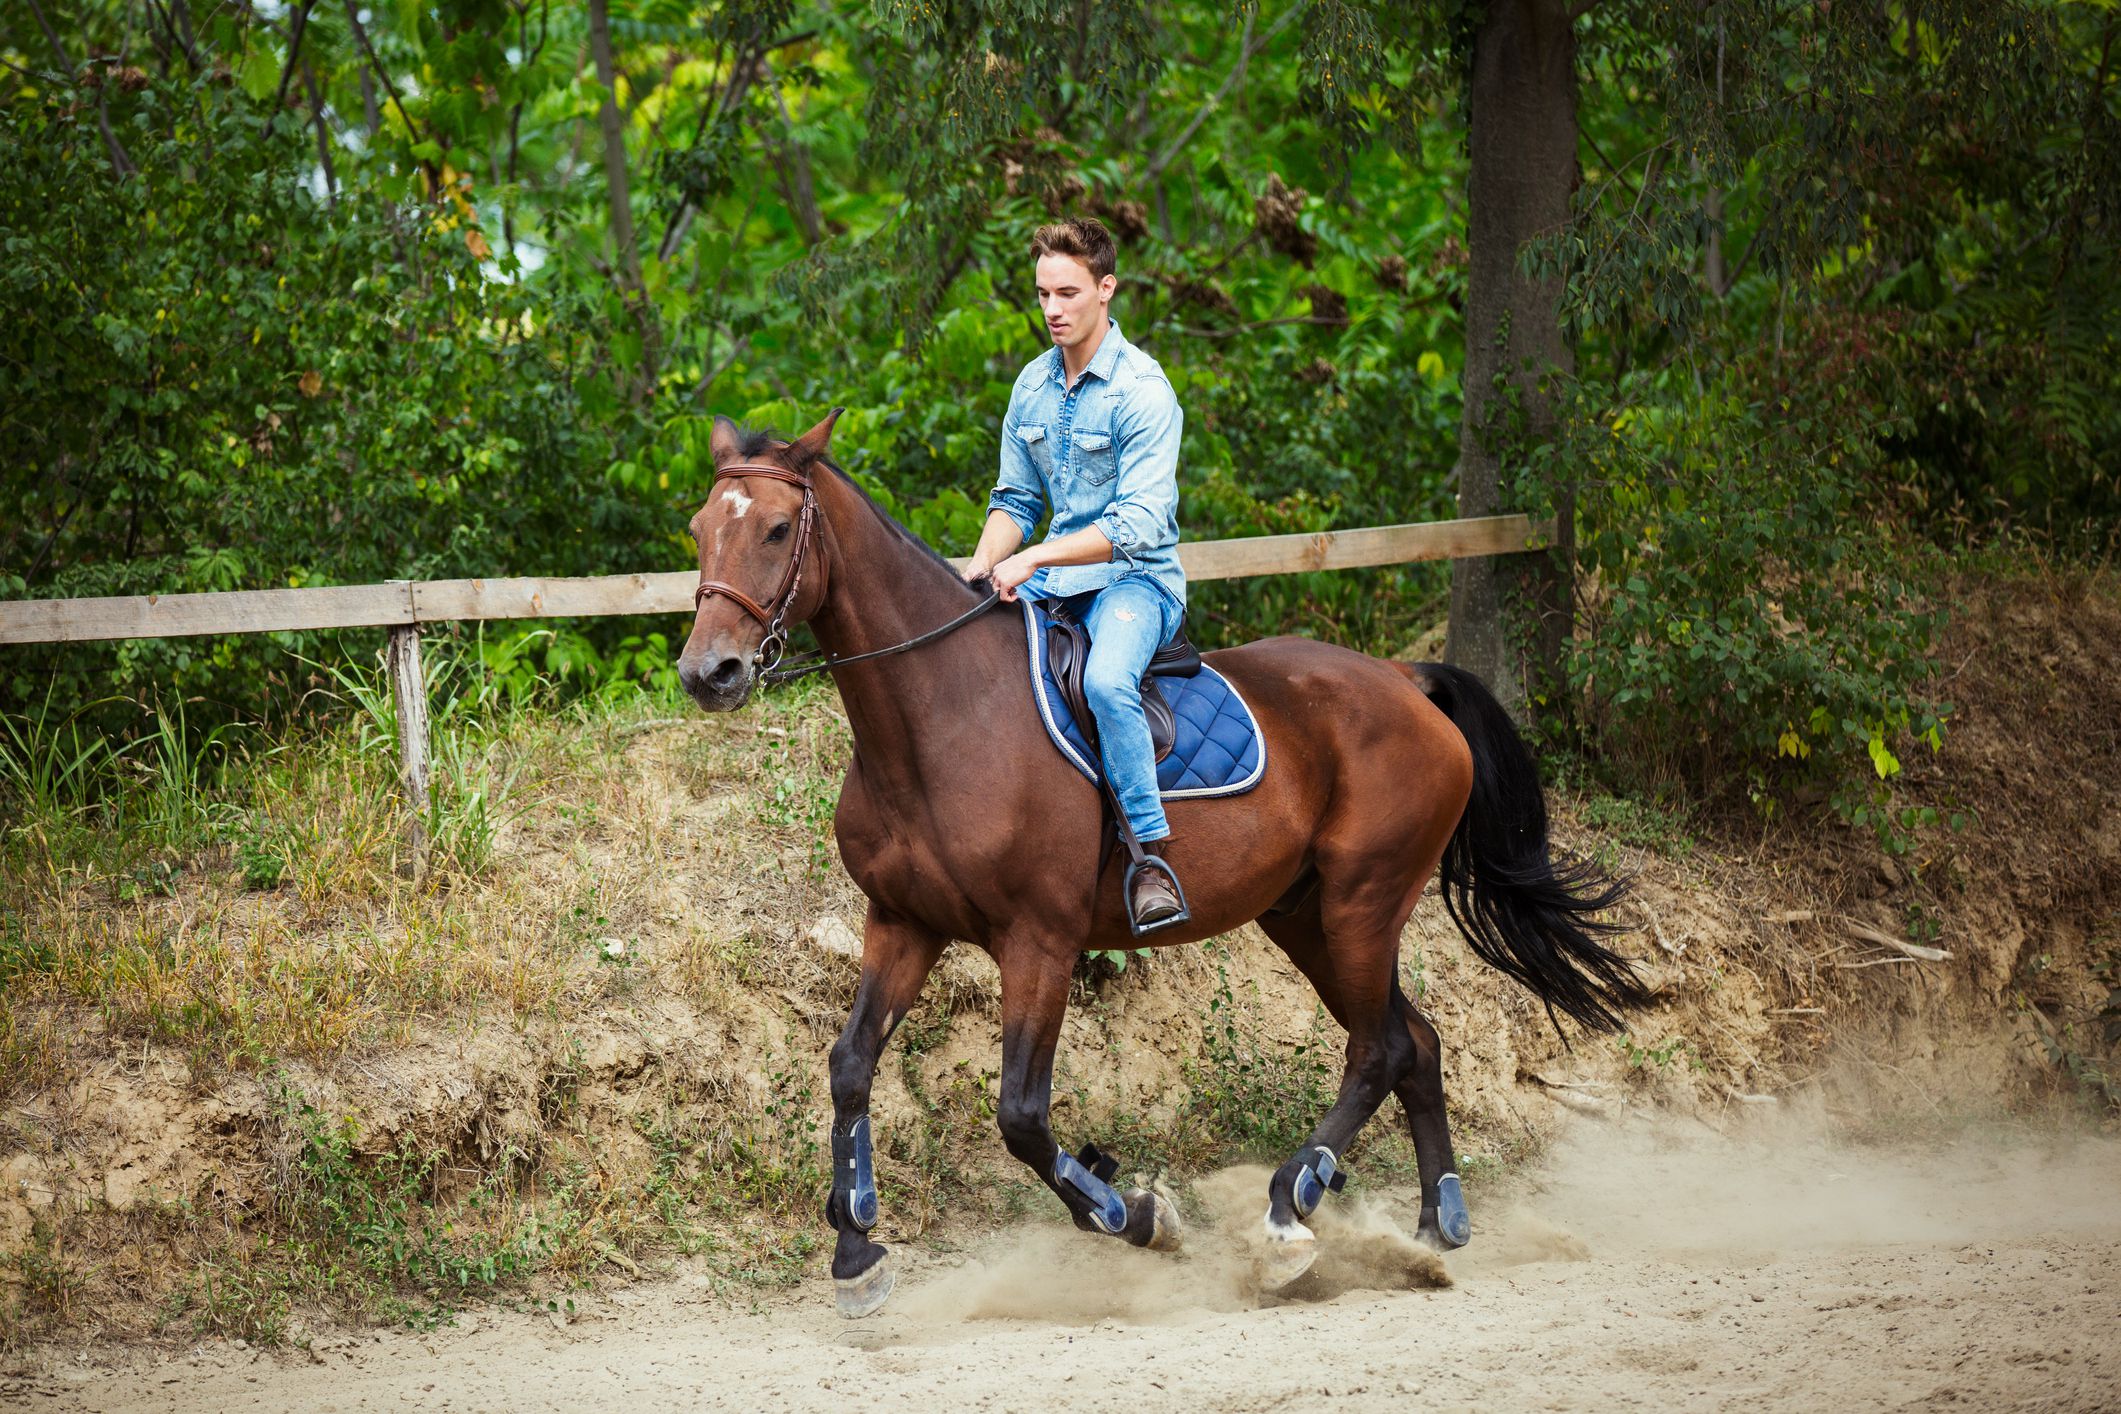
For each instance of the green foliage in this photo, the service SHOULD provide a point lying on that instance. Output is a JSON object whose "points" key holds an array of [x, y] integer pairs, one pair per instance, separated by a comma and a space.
{"points": [[779, 1164], [1744, 623], [216, 380], [1258, 1099], [1930, 189], [359, 313], [1661, 1055]]}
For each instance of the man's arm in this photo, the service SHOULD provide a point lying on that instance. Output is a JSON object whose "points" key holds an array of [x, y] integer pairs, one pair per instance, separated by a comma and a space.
{"points": [[1087, 546], [996, 543], [1144, 510], [1015, 504]]}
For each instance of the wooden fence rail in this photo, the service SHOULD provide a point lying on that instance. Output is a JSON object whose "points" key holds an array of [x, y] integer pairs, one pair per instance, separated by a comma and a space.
{"points": [[403, 606], [448, 600]]}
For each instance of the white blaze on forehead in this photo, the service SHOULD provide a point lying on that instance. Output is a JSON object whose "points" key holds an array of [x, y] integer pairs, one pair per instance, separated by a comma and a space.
{"points": [[739, 503]]}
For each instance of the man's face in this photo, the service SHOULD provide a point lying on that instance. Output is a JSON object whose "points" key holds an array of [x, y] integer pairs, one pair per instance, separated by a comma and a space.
{"points": [[1072, 301]]}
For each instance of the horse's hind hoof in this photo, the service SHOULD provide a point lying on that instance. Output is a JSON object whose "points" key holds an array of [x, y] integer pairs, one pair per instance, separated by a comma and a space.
{"points": [[1290, 1251], [1152, 1221], [864, 1295]]}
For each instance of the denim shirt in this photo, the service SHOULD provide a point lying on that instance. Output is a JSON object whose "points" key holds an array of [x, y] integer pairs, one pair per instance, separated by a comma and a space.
{"points": [[1104, 453]]}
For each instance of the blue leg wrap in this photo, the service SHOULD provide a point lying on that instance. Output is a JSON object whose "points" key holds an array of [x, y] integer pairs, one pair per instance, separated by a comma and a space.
{"points": [[1318, 1177], [1106, 1209], [854, 1175], [1451, 1215]]}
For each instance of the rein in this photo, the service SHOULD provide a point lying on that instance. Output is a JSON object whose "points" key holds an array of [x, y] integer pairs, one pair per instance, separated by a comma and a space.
{"points": [[768, 668]]}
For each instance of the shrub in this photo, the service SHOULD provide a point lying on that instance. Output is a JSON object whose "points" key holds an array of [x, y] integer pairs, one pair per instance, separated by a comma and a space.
{"points": [[1744, 619]]}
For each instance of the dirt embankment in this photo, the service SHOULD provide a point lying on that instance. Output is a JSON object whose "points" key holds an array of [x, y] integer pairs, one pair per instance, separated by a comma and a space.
{"points": [[683, 1073]]}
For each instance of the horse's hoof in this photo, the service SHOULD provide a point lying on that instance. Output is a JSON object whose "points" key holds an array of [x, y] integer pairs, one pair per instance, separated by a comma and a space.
{"points": [[864, 1295], [1153, 1221], [1291, 1249]]}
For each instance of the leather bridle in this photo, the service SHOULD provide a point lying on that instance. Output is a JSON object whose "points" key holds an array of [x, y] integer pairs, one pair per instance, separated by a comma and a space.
{"points": [[775, 619]]}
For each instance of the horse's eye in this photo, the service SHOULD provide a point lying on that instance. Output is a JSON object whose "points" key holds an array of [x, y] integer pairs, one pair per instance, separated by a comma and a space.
{"points": [[777, 534]]}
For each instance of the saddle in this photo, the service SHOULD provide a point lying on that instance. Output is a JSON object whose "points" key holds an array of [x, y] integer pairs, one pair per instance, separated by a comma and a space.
{"points": [[1068, 653]]}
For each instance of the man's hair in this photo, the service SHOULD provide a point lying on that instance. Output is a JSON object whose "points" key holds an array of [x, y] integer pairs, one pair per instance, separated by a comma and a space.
{"points": [[1085, 238]]}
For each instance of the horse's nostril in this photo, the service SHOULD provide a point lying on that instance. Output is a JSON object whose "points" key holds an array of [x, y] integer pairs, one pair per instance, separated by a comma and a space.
{"points": [[727, 674]]}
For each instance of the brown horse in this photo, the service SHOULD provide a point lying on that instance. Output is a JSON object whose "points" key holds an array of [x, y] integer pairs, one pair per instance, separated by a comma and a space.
{"points": [[958, 819]]}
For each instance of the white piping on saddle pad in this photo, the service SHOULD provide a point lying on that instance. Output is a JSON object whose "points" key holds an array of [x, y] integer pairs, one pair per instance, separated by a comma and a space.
{"points": [[1037, 648]]}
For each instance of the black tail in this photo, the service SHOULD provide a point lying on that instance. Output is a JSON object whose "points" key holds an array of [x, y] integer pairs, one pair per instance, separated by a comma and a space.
{"points": [[1519, 910]]}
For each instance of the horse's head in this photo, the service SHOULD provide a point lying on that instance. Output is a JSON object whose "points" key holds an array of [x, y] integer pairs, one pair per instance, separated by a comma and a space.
{"points": [[762, 569]]}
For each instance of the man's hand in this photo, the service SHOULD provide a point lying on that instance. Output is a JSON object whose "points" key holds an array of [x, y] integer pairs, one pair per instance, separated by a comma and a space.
{"points": [[1010, 574], [998, 540]]}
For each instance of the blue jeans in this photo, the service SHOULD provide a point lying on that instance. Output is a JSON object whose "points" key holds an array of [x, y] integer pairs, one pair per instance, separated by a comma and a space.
{"points": [[1128, 620]]}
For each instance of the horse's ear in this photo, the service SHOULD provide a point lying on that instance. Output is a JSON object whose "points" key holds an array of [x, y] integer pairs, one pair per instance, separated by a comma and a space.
{"points": [[724, 443], [814, 442]]}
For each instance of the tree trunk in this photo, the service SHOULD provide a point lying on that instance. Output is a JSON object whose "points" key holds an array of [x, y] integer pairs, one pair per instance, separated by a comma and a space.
{"points": [[614, 126], [618, 187], [797, 185], [1522, 149]]}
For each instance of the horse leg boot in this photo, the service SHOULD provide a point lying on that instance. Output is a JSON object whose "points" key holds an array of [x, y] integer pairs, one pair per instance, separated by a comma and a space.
{"points": [[1353, 972], [1378, 1057], [897, 956], [1034, 1000], [1445, 1224]]}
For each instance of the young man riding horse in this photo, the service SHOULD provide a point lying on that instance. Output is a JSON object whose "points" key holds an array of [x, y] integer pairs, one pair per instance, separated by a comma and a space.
{"points": [[1093, 430], [1381, 776]]}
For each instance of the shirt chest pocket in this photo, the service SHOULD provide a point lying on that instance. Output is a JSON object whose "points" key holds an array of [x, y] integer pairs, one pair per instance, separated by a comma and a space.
{"points": [[1092, 459]]}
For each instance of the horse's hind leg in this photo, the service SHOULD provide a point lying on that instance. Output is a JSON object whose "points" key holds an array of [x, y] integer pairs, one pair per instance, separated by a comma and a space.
{"points": [[1354, 979], [897, 956], [1035, 985], [1444, 1221]]}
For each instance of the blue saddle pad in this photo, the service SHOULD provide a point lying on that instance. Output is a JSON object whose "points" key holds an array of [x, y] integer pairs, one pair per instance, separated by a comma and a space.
{"points": [[1218, 749]]}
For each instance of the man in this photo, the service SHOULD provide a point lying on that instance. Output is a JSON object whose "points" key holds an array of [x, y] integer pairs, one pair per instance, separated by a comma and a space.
{"points": [[1093, 429]]}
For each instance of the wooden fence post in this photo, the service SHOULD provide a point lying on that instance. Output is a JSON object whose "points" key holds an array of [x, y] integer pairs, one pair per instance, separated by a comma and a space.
{"points": [[409, 688]]}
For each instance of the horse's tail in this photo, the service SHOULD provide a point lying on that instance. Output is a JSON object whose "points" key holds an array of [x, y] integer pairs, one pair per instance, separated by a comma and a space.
{"points": [[1521, 911]]}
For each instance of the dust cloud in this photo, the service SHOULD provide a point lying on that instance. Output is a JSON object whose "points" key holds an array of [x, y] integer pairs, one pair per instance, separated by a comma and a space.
{"points": [[1674, 1189], [1649, 1189], [1051, 1272]]}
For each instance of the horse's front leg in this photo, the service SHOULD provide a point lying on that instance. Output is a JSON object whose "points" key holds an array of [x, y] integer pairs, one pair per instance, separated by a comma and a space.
{"points": [[1034, 1001], [897, 955]]}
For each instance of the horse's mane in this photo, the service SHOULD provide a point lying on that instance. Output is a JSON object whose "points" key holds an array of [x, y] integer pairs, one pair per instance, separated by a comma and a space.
{"points": [[756, 443]]}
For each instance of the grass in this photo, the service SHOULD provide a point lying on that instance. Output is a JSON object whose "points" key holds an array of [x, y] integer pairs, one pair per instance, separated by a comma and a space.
{"points": [[1251, 1098], [1655, 826], [1261, 1099]]}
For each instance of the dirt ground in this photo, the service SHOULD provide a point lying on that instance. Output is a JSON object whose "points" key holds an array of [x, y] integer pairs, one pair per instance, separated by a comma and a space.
{"points": [[1645, 1264]]}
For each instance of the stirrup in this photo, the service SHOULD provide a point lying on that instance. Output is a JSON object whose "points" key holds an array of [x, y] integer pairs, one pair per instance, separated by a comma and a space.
{"points": [[1145, 860]]}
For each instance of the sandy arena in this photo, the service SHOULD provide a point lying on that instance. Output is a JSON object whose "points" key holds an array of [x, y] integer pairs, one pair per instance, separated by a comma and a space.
{"points": [[1653, 1266]]}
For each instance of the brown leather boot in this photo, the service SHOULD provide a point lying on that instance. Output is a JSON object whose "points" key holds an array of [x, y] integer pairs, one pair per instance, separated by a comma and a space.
{"points": [[1155, 897]]}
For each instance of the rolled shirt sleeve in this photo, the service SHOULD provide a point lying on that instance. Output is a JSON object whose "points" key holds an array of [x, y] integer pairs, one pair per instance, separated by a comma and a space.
{"points": [[1019, 491], [1144, 511]]}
